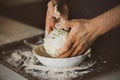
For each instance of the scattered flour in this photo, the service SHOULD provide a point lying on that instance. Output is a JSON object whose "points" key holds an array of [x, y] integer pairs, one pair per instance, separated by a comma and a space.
{"points": [[27, 61]]}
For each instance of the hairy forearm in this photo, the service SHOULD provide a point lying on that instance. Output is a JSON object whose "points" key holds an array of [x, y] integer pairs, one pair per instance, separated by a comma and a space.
{"points": [[106, 21]]}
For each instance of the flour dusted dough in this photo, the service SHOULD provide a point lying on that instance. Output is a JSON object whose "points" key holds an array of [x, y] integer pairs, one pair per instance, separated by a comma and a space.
{"points": [[54, 41]]}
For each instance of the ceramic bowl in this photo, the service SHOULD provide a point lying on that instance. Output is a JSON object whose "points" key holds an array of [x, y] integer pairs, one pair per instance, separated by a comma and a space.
{"points": [[49, 61]]}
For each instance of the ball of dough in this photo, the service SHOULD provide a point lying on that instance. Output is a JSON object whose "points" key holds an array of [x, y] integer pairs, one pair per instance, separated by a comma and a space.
{"points": [[54, 41]]}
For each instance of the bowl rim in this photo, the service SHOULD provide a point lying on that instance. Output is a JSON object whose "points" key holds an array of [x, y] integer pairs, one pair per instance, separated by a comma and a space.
{"points": [[85, 54]]}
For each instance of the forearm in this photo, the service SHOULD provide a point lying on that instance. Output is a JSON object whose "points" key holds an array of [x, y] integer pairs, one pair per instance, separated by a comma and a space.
{"points": [[106, 21]]}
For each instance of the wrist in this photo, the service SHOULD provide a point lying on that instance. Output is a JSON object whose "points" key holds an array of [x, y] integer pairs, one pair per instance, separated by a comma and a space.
{"points": [[96, 27], [92, 28]]}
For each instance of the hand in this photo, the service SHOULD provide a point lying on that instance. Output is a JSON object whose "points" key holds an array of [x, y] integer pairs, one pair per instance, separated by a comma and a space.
{"points": [[84, 32], [81, 35], [50, 20]]}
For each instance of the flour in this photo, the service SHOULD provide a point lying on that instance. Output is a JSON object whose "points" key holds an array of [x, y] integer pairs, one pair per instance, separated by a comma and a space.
{"points": [[56, 13], [27, 61]]}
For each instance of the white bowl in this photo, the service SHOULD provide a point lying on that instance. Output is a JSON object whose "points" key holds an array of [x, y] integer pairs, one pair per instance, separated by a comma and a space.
{"points": [[49, 61]]}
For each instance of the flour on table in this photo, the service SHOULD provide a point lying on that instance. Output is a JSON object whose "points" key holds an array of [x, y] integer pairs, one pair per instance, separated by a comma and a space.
{"points": [[27, 61]]}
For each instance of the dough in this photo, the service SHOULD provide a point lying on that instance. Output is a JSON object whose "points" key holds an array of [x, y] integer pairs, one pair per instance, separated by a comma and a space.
{"points": [[54, 41]]}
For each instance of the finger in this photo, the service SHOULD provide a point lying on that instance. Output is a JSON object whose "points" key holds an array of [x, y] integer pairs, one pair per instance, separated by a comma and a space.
{"points": [[50, 9], [48, 30], [69, 42], [66, 47], [67, 24], [81, 47], [73, 48], [77, 43], [67, 54], [50, 4], [50, 25], [79, 50]]}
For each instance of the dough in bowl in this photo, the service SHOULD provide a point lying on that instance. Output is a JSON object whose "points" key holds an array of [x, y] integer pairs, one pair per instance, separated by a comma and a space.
{"points": [[54, 41]]}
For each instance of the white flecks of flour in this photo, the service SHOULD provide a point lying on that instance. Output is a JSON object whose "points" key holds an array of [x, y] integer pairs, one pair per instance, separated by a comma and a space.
{"points": [[16, 57], [27, 61], [56, 13]]}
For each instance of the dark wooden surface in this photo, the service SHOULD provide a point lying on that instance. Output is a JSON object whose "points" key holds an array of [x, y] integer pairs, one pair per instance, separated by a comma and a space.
{"points": [[105, 51]]}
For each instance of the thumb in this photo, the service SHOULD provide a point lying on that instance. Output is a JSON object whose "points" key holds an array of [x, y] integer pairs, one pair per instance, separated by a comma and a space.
{"points": [[47, 31], [65, 24]]}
